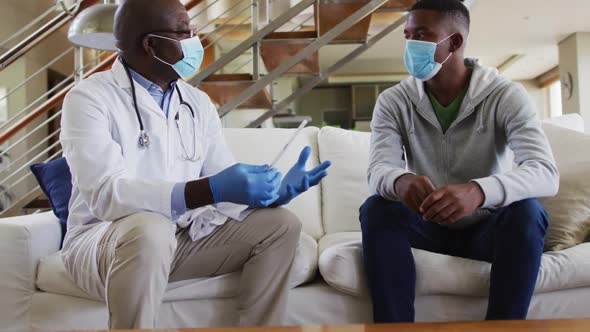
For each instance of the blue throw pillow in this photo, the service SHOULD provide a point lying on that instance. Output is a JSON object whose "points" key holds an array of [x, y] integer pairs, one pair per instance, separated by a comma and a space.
{"points": [[56, 182]]}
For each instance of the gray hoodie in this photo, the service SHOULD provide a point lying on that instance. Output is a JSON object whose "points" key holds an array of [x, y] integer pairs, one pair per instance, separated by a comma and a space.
{"points": [[496, 117]]}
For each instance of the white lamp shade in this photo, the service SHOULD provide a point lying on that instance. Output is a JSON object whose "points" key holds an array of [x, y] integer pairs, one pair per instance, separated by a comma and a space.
{"points": [[93, 28]]}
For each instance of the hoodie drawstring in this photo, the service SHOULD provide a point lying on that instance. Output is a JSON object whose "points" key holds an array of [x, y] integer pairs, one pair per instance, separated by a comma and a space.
{"points": [[481, 115], [412, 120]]}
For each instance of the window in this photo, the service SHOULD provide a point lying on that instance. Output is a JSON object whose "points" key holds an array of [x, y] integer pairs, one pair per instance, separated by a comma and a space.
{"points": [[555, 103]]}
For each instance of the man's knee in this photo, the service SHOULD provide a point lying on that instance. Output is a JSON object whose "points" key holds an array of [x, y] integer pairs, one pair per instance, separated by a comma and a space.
{"points": [[150, 235], [275, 223], [526, 219], [377, 212], [289, 223]]}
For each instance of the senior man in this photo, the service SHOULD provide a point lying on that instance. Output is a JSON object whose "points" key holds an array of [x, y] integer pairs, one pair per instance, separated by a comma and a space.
{"points": [[157, 196]]}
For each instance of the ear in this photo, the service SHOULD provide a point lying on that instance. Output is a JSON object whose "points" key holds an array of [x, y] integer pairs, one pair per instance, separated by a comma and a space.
{"points": [[457, 42], [147, 44]]}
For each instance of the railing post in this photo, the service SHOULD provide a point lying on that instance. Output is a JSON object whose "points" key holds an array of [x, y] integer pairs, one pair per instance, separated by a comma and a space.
{"points": [[78, 63], [267, 3], [267, 7], [256, 46]]}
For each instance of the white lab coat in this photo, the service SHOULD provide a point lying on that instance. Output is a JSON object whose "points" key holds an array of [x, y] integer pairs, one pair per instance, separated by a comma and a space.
{"points": [[113, 177]]}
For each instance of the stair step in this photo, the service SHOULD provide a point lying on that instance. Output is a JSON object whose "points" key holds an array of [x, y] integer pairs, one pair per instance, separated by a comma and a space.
{"points": [[224, 87], [293, 37], [332, 12], [229, 77], [278, 47], [290, 35]]}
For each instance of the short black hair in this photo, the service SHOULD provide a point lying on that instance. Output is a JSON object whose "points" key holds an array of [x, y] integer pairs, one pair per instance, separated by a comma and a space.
{"points": [[453, 8]]}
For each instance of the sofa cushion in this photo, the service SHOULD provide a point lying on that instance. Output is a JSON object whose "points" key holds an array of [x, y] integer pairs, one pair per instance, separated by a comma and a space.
{"points": [[55, 180], [569, 211], [342, 267], [52, 277], [256, 146], [24, 241], [345, 188]]}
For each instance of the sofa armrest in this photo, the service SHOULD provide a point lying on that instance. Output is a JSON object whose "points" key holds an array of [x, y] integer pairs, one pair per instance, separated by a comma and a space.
{"points": [[24, 240]]}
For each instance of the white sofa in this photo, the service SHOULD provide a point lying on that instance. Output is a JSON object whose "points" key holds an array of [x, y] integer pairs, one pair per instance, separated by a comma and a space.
{"points": [[328, 281]]}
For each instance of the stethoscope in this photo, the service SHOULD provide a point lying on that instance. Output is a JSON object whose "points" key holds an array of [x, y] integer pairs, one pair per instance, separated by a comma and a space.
{"points": [[144, 139]]}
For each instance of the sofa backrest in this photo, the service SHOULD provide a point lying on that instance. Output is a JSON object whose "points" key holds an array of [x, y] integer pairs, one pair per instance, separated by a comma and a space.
{"points": [[336, 209], [572, 121], [260, 146], [346, 188], [569, 146]]}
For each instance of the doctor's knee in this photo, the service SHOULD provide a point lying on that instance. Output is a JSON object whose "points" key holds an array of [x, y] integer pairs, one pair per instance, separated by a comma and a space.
{"points": [[288, 223], [148, 236]]}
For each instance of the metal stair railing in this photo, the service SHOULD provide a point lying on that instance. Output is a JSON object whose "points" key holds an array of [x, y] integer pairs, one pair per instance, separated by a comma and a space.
{"points": [[341, 27], [284, 104], [53, 90], [251, 41], [41, 34]]}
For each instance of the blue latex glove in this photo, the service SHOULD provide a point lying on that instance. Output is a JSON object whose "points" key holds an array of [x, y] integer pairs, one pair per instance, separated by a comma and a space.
{"points": [[298, 180], [255, 186]]}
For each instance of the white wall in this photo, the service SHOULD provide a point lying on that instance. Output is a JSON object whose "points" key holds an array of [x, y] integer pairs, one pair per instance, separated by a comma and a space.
{"points": [[539, 97], [574, 60]]}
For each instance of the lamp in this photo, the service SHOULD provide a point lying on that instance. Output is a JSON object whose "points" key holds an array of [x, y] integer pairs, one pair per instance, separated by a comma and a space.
{"points": [[93, 27]]}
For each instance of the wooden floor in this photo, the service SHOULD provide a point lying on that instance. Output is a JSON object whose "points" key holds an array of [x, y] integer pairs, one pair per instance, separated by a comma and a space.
{"points": [[513, 326]]}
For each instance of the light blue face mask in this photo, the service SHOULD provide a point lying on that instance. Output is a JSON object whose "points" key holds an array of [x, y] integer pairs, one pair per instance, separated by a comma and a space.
{"points": [[419, 59], [193, 53]]}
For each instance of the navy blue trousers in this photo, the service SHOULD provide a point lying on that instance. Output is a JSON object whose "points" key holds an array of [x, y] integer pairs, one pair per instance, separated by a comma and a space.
{"points": [[511, 239]]}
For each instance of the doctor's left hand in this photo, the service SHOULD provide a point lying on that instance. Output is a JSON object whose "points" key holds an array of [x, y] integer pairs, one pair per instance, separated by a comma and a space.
{"points": [[298, 180]]}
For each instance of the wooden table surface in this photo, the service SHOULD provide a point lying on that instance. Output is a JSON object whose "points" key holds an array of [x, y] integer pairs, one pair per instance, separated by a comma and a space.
{"points": [[580, 325]]}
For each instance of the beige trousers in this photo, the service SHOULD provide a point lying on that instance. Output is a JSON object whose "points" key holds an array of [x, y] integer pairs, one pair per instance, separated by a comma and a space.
{"points": [[139, 254]]}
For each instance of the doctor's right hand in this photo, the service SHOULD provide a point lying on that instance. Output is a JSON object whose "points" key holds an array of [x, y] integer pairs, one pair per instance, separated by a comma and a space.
{"points": [[255, 186]]}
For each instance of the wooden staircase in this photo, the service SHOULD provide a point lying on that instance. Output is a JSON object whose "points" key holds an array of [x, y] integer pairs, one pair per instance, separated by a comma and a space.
{"points": [[277, 47], [223, 87], [331, 12]]}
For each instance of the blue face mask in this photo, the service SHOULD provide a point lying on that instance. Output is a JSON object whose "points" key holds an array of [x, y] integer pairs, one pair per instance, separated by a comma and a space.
{"points": [[419, 59], [193, 53]]}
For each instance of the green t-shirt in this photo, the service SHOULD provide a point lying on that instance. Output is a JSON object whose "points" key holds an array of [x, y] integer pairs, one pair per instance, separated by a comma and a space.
{"points": [[446, 115]]}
